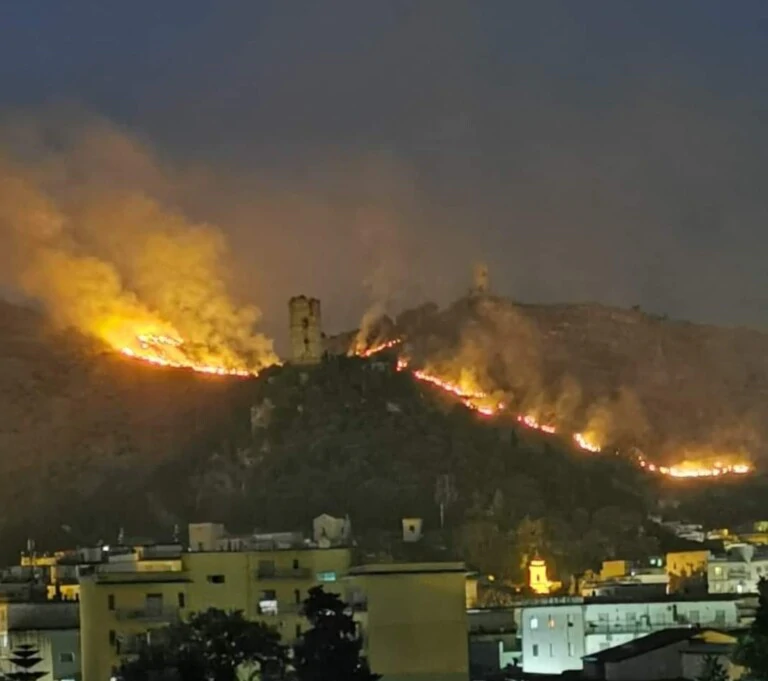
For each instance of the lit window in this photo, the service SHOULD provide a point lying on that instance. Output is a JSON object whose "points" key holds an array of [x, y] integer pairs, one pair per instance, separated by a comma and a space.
{"points": [[535, 650], [326, 576], [718, 570], [534, 622], [268, 607], [551, 622]]}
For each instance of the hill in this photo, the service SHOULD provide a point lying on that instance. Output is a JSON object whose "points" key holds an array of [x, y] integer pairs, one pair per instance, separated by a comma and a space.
{"points": [[92, 441], [675, 389]]}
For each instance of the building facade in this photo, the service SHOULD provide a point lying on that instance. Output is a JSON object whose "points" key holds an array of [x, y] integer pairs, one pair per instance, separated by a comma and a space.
{"points": [[48, 630], [414, 620], [556, 635], [738, 571], [122, 603]]}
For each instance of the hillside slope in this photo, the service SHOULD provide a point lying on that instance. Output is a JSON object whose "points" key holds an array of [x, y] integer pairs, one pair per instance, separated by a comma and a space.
{"points": [[91, 441], [678, 390]]}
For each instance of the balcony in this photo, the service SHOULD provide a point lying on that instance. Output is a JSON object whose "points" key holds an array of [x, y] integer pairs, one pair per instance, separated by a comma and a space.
{"points": [[639, 628], [283, 573], [147, 614]]}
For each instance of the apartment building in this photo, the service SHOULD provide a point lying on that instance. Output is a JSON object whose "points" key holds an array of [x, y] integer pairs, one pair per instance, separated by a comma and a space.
{"points": [[267, 577], [558, 633], [738, 570]]}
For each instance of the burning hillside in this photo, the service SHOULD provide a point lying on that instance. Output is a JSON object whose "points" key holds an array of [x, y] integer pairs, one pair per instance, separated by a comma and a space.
{"points": [[115, 261], [466, 372]]}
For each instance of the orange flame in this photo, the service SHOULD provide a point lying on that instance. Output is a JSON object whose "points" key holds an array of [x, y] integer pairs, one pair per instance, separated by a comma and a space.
{"points": [[167, 351], [477, 401], [530, 421], [380, 347]]}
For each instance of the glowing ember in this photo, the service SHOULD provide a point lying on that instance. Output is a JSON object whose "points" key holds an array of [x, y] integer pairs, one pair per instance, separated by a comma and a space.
{"points": [[167, 351], [380, 347], [532, 422], [584, 443], [690, 469]]}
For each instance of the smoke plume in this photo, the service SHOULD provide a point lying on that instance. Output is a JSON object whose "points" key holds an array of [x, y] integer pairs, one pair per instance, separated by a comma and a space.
{"points": [[92, 237]]}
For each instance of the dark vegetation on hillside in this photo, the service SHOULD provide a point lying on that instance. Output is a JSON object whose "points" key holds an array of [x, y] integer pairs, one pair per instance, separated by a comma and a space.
{"points": [[91, 442]]}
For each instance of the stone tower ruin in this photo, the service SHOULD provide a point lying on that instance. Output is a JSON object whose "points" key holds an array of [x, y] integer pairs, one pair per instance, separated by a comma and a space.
{"points": [[480, 280], [306, 330]]}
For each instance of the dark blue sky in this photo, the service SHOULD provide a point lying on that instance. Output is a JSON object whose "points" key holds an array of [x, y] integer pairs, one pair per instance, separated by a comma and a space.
{"points": [[609, 151]]}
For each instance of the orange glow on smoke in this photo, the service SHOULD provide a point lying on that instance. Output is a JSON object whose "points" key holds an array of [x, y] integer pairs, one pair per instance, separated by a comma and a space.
{"points": [[583, 442], [167, 351], [479, 401]]}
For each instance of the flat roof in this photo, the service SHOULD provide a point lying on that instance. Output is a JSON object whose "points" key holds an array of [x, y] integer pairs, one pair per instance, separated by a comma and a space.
{"points": [[407, 568], [619, 600]]}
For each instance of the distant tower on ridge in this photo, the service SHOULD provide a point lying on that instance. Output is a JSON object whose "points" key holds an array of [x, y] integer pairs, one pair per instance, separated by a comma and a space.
{"points": [[306, 330], [480, 280]]}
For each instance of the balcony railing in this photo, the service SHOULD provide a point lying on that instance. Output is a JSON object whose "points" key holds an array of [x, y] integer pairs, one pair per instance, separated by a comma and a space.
{"points": [[283, 573], [645, 627], [148, 614]]}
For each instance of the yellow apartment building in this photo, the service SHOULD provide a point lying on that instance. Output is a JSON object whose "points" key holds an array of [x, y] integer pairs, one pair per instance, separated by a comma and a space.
{"points": [[121, 602], [414, 620], [685, 563]]}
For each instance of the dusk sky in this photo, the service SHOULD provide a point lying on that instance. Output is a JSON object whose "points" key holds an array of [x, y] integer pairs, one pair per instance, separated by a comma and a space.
{"points": [[367, 151]]}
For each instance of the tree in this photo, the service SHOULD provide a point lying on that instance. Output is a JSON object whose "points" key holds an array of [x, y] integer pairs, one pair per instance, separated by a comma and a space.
{"points": [[752, 650], [210, 646], [713, 670], [331, 649]]}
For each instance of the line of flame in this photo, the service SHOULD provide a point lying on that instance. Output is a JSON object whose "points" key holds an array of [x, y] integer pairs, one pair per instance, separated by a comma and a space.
{"points": [[470, 399], [152, 346]]}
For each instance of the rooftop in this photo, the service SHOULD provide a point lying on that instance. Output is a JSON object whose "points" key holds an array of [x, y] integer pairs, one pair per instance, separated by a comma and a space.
{"points": [[407, 568], [643, 645]]}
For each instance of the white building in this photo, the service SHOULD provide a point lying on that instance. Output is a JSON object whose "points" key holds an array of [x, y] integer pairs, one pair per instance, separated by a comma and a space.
{"points": [[557, 633], [49, 630], [738, 571]]}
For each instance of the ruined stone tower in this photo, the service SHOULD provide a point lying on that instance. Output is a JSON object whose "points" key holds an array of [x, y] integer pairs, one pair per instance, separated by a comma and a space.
{"points": [[306, 330], [480, 280]]}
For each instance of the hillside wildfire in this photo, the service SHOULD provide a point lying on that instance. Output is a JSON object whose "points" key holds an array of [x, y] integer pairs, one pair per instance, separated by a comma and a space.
{"points": [[460, 364]]}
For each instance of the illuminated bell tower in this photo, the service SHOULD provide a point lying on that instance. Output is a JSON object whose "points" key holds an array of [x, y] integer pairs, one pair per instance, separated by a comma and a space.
{"points": [[306, 330], [537, 577]]}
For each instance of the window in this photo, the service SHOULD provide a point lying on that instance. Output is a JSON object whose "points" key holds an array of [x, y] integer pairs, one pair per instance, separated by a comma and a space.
{"points": [[182, 601], [268, 602], [571, 650], [112, 637], [326, 576], [718, 571], [298, 631], [266, 568], [551, 622], [571, 620], [534, 623], [67, 658], [535, 650], [720, 616], [295, 563], [297, 596], [216, 579], [153, 603], [111, 601], [199, 546]]}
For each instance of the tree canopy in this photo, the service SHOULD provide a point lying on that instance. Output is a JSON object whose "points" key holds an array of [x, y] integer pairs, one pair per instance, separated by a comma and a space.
{"points": [[331, 649], [210, 646]]}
